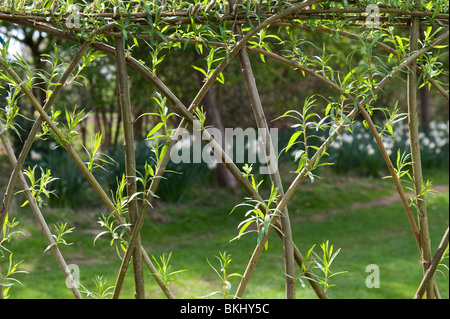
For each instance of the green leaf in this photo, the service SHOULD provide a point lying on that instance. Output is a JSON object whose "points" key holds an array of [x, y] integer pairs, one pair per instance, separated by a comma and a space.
{"points": [[293, 138], [266, 224], [201, 70], [154, 130]]}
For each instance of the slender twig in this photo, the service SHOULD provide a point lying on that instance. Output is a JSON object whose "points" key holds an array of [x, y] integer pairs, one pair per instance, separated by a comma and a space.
{"points": [[130, 167], [39, 217], [37, 125], [110, 50], [301, 176], [271, 160], [89, 176], [413, 125], [433, 266], [239, 45]]}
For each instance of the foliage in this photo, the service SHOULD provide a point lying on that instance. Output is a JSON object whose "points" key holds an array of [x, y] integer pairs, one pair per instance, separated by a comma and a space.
{"points": [[219, 32], [222, 272], [38, 186], [102, 290], [61, 232], [164, 269], [322, 263], [305, 127], [260, 214], [8, 277]]}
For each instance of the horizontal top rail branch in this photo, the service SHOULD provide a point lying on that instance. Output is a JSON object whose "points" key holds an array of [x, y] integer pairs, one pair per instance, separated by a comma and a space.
{"points": [[161, 13]]}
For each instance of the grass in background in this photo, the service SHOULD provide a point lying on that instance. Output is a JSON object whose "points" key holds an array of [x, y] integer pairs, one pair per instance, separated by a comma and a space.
{"points": [[344, 210]]}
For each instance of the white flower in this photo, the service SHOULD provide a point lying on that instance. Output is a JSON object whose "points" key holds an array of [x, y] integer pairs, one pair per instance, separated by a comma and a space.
{"points": [[335, 145], [347, 138], [35, 156]]}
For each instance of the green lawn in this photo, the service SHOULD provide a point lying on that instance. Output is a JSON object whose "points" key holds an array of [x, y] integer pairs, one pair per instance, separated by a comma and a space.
{"points": [[347, 211]]}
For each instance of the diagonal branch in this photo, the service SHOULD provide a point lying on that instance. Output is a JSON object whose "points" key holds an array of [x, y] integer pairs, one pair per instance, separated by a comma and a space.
{"points": [[89, 176], [271, 160], [301, 176], [36, 127], [433, 266], [39, 217]]}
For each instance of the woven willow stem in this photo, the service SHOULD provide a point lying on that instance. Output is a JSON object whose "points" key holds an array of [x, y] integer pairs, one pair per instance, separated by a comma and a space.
{"points": [[427, 278], [413, 124], [89, 176], [271, 159], [39, 217], [130, 170], [36, 127]]}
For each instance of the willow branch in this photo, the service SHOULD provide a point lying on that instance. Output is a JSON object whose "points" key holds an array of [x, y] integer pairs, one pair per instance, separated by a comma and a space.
{"points": [[39, 217], [36, 127], [89, 176], [130, 170], [271, 160], [301, 176], [433, 267], [413, 125]]}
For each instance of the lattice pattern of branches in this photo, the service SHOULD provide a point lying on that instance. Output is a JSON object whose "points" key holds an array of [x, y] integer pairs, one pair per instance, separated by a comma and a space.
{"points": [[231, 29]]}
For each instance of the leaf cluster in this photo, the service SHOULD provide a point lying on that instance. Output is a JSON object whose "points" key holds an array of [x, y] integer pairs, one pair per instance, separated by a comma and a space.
{"points": [[61, 232], [259, 215], [323, 263], [222, 272], [164, 269], [38, 186]]}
